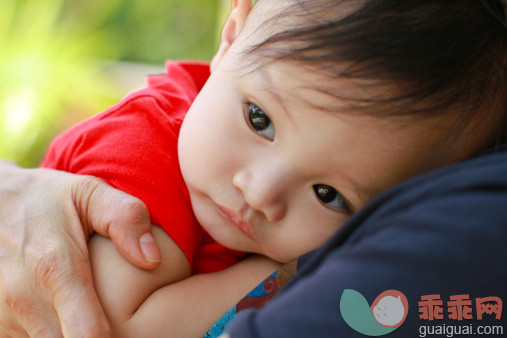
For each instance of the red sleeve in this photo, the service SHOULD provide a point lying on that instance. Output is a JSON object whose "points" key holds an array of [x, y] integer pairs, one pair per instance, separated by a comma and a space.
{"points": [[212, 256], [133, 147]]}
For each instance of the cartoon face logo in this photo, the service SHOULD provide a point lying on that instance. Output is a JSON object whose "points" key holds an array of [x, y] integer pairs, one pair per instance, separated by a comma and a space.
{"points": [[389, 308], [386, 314]]}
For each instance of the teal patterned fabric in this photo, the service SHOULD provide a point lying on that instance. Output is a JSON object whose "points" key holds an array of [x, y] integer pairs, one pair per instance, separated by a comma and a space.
{"points": [[258, 297]]}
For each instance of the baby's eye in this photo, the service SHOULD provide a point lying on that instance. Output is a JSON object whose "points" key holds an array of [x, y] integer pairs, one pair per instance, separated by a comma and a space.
{"points": [[330, 197], [259, 122]]}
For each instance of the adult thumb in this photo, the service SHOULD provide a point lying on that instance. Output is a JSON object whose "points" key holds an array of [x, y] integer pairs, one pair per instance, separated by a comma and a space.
{"points": [[115, 214]]}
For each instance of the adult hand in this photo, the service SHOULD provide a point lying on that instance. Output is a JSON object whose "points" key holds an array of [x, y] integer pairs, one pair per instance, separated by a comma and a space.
{"points": [[46, 216]]}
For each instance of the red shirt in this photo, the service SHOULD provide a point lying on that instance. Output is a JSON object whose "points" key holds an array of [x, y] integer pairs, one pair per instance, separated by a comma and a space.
{"points": [[133, 147]]}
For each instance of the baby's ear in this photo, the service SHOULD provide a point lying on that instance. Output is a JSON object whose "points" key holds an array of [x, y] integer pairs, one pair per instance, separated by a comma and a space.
{"points": [[232, 27]]}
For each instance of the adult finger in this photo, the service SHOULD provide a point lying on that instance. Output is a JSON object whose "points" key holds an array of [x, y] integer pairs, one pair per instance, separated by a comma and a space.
{"points": [[115, 214], [62, 299], [79, 310]]}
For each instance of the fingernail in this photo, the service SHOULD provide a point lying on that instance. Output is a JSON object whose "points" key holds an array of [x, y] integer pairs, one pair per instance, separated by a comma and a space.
{"points": [[149, 247]]}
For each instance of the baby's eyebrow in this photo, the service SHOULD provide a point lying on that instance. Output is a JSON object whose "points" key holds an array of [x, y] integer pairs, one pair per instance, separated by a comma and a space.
{"points": [[334, 102], [271, 89]]}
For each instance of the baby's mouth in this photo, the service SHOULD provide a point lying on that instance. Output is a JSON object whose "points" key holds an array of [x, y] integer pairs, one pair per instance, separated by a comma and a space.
{"points": [[237, 219]]}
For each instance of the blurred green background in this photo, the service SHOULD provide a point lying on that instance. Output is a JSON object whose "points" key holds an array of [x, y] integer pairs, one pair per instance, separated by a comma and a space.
{"points": [[64, 60]]}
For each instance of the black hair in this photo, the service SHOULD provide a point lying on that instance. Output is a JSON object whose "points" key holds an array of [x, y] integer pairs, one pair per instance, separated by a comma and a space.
{"points": [[438, 55]]}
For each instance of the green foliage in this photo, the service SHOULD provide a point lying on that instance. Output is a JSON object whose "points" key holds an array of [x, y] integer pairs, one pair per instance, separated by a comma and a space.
{"points": [[54, 53], [153, 31], [160, 30]]}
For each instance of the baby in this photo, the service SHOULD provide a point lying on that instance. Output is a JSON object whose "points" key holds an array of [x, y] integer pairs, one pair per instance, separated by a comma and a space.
{"points": [[307, 115]]}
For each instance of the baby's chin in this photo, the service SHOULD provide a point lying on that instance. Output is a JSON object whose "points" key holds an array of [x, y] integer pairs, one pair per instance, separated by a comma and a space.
{"points": [[283, 257]]}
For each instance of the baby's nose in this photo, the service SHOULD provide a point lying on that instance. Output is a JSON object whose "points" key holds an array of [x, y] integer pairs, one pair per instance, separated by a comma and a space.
{"points": [[263, 190]]}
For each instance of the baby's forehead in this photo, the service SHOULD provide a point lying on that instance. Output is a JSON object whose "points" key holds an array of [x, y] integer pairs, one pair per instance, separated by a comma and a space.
{"points": [[289, 88], [311, 87], [318, 87]]}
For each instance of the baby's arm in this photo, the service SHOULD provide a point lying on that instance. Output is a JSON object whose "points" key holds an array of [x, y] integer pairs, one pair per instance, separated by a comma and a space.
{"points": [[164, 302]]}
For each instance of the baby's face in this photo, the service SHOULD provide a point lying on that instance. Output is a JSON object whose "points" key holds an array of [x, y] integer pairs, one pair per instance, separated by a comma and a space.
{"points": [[274, 167]]}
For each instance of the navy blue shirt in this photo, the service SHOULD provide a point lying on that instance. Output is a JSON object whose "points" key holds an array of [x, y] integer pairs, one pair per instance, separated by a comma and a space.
{"points": [[444, 234]]}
